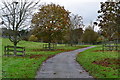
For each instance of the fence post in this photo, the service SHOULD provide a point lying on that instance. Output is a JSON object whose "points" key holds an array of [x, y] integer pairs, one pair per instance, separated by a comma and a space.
{"points": [[5, 50], [24, 51]]}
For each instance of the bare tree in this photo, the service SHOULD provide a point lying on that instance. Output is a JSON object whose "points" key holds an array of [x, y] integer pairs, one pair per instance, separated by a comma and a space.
{"points": [[16, 16], [76, 23]]}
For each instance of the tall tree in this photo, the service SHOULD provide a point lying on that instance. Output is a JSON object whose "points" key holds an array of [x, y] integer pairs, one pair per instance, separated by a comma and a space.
{"points": [[51, 22], [77, 35], [15, 16], [76, 26], [109, 19], [89, 35]]}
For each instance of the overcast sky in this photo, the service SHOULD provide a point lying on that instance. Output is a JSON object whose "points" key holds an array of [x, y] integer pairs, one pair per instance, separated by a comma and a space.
{"points": [[85, 8]]}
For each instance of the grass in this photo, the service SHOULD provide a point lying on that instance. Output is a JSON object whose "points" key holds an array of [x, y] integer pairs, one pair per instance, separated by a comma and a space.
{"points": [[100, 64], [0, 58], [26, 67]]}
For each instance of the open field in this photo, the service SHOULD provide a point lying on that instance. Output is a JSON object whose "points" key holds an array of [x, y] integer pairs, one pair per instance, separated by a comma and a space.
{"points": [[26, 67], [97, 63], [100, 64]]}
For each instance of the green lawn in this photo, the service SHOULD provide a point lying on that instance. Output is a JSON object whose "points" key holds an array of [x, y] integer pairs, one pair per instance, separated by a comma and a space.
{"points": [[26, 67], [0, 58], [100, 64]]}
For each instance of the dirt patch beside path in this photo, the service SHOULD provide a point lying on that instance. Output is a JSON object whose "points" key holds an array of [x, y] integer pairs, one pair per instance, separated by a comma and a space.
{"points": [[112, 63]]}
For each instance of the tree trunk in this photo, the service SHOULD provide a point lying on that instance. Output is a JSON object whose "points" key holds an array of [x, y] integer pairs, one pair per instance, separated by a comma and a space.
{"points": [[49, 46], [49, 43], [71, 38], [15, 44], [15, 49]]}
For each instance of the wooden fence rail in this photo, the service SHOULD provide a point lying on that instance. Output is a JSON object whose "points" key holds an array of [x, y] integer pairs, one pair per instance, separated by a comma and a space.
{"points": [[8, 49], [52, 46]]}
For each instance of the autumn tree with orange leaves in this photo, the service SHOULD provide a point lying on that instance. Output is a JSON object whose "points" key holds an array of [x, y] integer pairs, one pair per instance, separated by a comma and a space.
{"points": [[50, 23]]}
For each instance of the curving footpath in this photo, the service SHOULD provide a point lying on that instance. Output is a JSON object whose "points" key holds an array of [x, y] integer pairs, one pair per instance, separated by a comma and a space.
{"points": [[63, 65]]}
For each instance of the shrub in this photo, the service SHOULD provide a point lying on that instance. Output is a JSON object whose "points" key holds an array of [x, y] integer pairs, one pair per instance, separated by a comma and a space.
{"points": [[33, 38]]}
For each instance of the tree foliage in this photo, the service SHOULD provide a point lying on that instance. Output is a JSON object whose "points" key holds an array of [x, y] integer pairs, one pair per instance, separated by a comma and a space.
{"points": [[89, 35], [109, 19], [76, 35], [50, 22], [33, 38]]}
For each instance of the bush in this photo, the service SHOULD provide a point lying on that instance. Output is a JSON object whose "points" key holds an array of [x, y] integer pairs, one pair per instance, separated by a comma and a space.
{"points": [[33, 38], [100, 39]]}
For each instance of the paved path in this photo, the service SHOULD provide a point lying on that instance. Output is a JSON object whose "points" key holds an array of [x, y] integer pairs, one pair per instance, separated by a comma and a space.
{"points": [[63, 65]]}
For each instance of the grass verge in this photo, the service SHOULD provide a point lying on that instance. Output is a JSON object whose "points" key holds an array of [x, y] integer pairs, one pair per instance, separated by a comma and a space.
{"points": [[100, 64]]}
